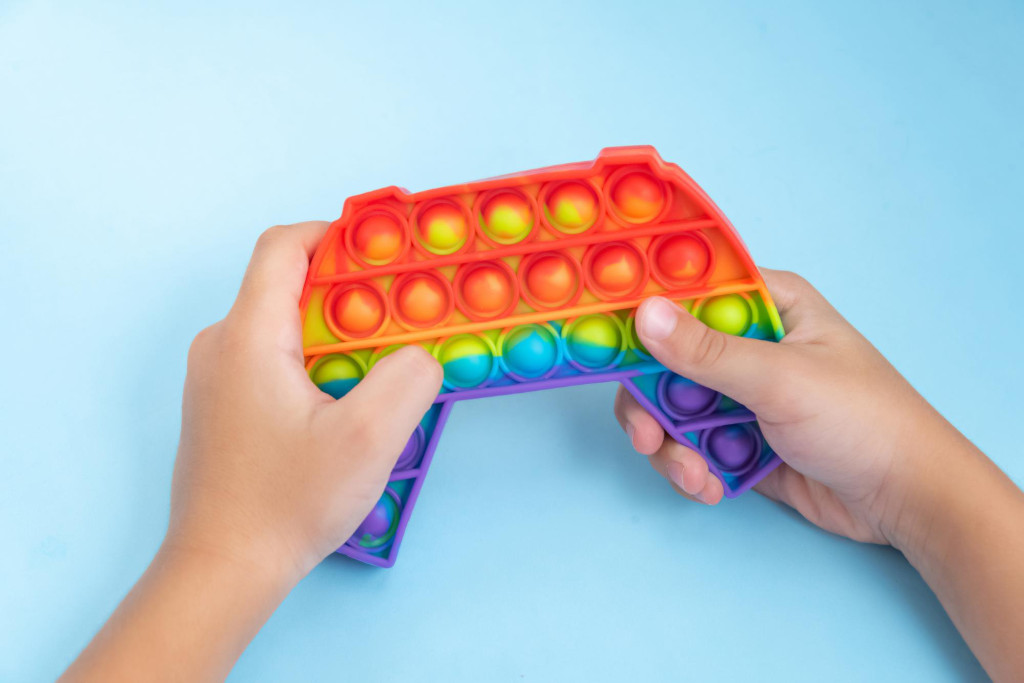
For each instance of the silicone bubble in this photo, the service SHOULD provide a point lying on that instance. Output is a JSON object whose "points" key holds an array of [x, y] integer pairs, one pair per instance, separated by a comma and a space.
{"points": [[530, 351], [571, 206], [594, 342], [377, 237], [467, 359], [734, 448], [682, 398], [681, 260], [637, 197], [486, 290], [378, 529], [506, 216], [413, 451], [423, 299], [550, 279], [441, 226], [337, 373], [356, 310], [730, 313], [615, 270]]}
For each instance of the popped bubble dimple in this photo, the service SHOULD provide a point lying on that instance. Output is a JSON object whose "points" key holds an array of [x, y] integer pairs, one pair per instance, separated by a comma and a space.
{"points": [[730, 313], [378, 530], [413, 451], [637, 197], [680, 260], [441, 227], [571, 206], [378, 238], [337, 374], [549, 279], [422, 299], [467, 360], [615, 270], [734, 448], [356, 310], [682, 398], [594, 341], [530, 351], [506, 216], [486, 290]]}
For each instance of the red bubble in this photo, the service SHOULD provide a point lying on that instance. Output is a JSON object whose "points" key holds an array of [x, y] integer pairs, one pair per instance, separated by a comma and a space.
{"points": [[638, 197], [681, 259], [486, 290], [378, 238], [357, 310], [422, 299], [550, 278], [616, 269]]}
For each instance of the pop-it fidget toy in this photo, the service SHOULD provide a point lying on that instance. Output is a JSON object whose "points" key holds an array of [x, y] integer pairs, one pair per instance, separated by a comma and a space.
{"points": [[531, 281]]}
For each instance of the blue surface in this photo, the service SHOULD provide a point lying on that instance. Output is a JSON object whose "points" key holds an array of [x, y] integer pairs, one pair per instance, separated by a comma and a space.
{"points": [[874, 148]]}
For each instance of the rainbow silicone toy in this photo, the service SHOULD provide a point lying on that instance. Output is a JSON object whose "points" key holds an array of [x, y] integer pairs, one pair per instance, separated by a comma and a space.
{"points": [[530, 281]]}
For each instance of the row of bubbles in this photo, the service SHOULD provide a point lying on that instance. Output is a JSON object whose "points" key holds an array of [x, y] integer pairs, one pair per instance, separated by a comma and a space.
{"points": [[377, 532], [491, 290], [381, 234], [533, 351]]}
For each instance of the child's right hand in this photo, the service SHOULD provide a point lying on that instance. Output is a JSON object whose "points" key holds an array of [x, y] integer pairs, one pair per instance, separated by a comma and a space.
{"points": [[864, 455]]}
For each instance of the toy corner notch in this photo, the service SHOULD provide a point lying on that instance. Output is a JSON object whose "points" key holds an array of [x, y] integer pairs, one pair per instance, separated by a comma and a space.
{"points": [[631, 154]]}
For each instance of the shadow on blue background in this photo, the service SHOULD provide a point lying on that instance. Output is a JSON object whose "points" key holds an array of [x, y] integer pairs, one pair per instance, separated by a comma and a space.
{"points": [[873, 148]]}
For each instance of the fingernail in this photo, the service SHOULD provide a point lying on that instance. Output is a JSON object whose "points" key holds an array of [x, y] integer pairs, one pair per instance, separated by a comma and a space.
{"points": [[659, 318], [630, 431], [675, 473]]}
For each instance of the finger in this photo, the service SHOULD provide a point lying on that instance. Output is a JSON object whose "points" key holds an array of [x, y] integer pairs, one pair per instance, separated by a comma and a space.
{"points": [[277, 271], [685, 468], [389, 402], [645, 434], [744, 369]]}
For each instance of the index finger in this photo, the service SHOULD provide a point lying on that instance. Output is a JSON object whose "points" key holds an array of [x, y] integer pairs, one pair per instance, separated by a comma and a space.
{"points": [[276, 273]]}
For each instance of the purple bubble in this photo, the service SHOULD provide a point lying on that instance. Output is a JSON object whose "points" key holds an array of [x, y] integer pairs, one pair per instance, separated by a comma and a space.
{"points": [[682, 398], [733, 447], [410, 456], [378, 529]]}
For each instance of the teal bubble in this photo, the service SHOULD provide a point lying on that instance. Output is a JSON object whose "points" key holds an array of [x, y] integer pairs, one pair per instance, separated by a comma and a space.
{"points": [[530, 351], [594, 341], [467, 361], [338, 387]]}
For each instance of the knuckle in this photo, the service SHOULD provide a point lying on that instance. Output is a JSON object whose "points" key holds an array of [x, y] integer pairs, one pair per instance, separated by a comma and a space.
{"points": [[706, 348], [201, 343]]}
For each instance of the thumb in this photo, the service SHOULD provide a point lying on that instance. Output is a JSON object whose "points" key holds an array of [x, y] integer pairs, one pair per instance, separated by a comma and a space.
{"points": [[744, 369], [381, 412]]}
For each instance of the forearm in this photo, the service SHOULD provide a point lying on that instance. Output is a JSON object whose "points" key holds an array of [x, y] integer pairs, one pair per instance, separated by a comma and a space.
{"points": [[189, 617], [964, 532]]}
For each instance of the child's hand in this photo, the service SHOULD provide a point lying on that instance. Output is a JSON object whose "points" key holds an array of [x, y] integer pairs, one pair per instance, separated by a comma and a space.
{"points": [[269, 466], [848, 426]]}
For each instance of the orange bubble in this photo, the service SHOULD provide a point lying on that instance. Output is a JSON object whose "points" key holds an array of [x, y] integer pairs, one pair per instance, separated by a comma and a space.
{"points": [[550, 278], [681, 259], [487, 290], [378, 238], [638, 197], [616, 269], [422, 299], [358, 310], [441, 227], [571, 207]]}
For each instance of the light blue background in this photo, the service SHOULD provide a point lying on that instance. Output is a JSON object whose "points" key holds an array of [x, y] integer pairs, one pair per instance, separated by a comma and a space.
{"points": [[875, 149]]}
